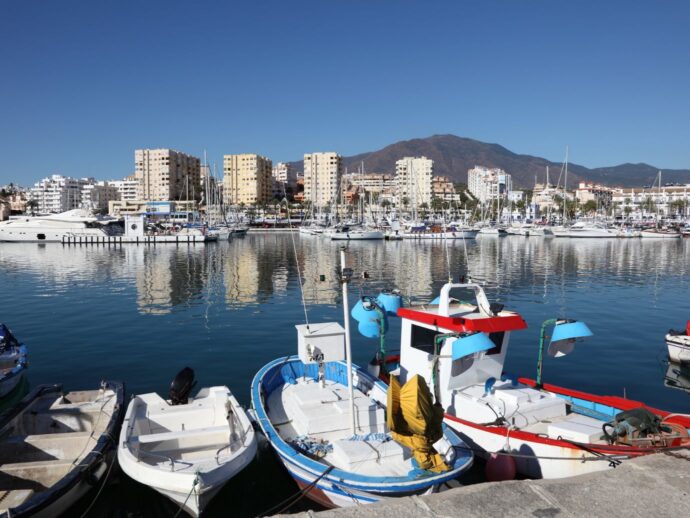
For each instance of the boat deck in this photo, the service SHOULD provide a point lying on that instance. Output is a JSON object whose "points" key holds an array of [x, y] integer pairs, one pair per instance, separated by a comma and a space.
{"points": [[308, 414]]}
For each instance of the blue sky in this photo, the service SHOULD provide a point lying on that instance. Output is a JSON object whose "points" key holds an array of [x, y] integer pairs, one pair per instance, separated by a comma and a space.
{"points": [[83, 84]]}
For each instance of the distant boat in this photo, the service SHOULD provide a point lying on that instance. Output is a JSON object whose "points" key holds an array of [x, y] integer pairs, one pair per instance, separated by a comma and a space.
{"points": [[584, 229], [186, 448], [56, 446], [678, 343], [658, 233], [13, 361], [356, 233]]}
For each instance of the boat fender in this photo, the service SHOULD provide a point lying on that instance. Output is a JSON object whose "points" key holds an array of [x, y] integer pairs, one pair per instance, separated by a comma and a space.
{"points": [[500, 467], [510, 377], [489, 385]]}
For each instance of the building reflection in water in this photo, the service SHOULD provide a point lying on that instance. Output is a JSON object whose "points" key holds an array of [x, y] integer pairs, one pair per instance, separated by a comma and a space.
{"points": [[263, 266]]}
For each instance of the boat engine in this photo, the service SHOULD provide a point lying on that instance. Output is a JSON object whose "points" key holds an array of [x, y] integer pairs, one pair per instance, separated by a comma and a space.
{"points": [[181, 386], [631, 426]]}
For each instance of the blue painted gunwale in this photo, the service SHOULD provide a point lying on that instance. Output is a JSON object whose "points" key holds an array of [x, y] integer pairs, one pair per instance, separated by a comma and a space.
{"points": [[21, 366], [276, 374]]}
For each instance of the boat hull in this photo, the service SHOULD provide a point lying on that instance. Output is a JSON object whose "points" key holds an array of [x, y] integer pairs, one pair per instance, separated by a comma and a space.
{"points": [[332, 487], [538, 456], [650, 234], [679, 348], [458, 234]]}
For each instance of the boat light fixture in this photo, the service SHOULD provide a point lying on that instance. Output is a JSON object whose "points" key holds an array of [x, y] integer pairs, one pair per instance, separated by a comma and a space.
{"points": [[565, 334]]}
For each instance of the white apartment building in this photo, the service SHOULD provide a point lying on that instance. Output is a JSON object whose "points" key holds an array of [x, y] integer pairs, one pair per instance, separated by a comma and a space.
{"points": [[668, 201], [128, 188], [413, 181], [285, 173], [96, 196], [488, 184], [247, 179], [166, 174], [58, 193], [322, 174]]}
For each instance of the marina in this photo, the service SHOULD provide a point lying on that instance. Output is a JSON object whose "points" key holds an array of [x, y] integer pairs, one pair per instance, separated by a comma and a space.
{"points": [[190, 306]]}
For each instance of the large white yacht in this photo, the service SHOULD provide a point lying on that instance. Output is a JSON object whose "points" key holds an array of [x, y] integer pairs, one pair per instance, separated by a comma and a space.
{"points": [[53, 227]]}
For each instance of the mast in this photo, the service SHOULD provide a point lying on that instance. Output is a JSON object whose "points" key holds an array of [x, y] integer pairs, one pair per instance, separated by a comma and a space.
{"points": [[345, 277], [565, 186]]}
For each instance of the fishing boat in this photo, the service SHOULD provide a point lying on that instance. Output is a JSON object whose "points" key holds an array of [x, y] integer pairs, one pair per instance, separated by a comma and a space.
{"points": [[547, 431], [343, 437], [186, 448], [678, 343], [57, 446], [13, 361]]}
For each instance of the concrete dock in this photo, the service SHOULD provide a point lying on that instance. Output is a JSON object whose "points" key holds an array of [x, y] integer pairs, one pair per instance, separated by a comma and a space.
{"points": [[655, 485]]}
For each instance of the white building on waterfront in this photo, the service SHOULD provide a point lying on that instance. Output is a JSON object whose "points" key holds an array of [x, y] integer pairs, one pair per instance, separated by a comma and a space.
{"points": [[413, 181], [127, 188], [58, 193], [166, 174], [641, 203], [488, 184], [322, 174], [284, 173]]}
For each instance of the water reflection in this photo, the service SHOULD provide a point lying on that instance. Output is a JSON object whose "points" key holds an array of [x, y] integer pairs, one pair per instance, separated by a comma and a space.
{"points": [[677, 377]]}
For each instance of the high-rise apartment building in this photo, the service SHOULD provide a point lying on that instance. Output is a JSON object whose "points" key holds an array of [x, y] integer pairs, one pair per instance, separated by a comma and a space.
{"points": [[247, 178], [322, 173], [488, 184], [166, 174], [128, 188], [413, 181], [96, 196]]}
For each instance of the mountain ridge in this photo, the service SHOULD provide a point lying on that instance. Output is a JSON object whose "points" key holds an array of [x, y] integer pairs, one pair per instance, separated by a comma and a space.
{"points": [[453, 156]]}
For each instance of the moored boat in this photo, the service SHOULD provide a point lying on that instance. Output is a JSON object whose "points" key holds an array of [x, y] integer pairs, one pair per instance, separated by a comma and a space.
{"points": [[56, 447], [186, 448], [678, 343], [343, 437], [13, 361], [551, 432], [659, 233]]}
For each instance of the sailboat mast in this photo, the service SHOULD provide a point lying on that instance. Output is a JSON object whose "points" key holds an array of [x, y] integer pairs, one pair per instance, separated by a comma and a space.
{"points": [[345, 277], [565, 186]]}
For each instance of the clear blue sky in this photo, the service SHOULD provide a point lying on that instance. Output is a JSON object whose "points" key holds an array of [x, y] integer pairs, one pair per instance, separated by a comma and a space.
{"points": [[83, 84]]}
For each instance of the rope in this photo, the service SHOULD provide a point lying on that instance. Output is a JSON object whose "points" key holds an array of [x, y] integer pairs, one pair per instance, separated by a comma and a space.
{"points": [[193, 490], [294, 249], [100, 489], [293, 499], [604, 457]]}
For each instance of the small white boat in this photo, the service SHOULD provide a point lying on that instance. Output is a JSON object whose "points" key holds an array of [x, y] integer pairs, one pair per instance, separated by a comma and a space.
{"points": [[347, 233], [493, 232], [186, 448], [13, 361], [678, 343], [583, 229], [660, 234], [55, 447]]}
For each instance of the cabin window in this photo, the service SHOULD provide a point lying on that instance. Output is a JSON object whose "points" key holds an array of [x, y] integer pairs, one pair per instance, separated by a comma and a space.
{"points": [[423, 339], [497, 339], [40, 236], [460, 365]]}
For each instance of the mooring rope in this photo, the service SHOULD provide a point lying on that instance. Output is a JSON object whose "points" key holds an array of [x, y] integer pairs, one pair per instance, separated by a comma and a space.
{"points": [[293, 499]]}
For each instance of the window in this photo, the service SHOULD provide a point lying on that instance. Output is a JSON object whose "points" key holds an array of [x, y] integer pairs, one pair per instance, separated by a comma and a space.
{"points": [[423, 339]]}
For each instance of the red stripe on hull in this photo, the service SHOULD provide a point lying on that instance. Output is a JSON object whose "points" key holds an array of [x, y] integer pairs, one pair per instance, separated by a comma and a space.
{"points": [[316, 494]]}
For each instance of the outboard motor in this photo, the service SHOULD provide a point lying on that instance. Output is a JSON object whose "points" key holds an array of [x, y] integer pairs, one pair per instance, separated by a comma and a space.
{"points": [[181, 386]]}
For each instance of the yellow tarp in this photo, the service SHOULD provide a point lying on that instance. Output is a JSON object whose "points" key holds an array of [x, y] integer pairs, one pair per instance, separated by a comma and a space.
{"points": [[415, 421]]}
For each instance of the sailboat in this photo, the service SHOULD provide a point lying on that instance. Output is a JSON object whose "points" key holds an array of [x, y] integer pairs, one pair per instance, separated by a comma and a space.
{"points": [[658, 232], [340, 433]]}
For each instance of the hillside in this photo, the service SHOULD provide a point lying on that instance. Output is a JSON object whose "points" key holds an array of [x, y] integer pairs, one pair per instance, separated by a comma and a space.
{"points": [[453, 156]]}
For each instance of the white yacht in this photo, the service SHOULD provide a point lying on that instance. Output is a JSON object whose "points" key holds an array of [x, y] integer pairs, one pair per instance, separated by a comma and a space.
{"points": [[53, 227], [583, 229]]}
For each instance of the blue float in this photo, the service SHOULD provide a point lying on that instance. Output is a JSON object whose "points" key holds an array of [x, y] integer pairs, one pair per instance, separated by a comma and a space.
{"points": [[368, 318], [390, 301]]}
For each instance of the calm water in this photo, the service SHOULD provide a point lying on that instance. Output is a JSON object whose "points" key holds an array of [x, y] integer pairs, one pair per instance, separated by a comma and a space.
{"points": [[140, 314]]}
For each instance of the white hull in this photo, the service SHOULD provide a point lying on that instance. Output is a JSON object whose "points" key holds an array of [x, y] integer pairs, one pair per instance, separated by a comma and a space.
{"points": [[357, 235], [651, 234], [458, 234], [186, 452], [51, 228], [678, 348], [567, 465], [492, 232]]}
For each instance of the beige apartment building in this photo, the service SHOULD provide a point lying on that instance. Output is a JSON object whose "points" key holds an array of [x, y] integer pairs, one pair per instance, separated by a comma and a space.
{"points": [[247, 179], [166, 175], [322, 173], [413, 181]]}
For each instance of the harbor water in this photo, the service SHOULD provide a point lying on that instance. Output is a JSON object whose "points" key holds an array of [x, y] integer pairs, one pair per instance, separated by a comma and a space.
{"points": [[142, 313]]}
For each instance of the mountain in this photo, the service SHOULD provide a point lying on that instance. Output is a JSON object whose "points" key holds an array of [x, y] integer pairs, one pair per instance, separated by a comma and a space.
{"points": [[453, 156]]}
